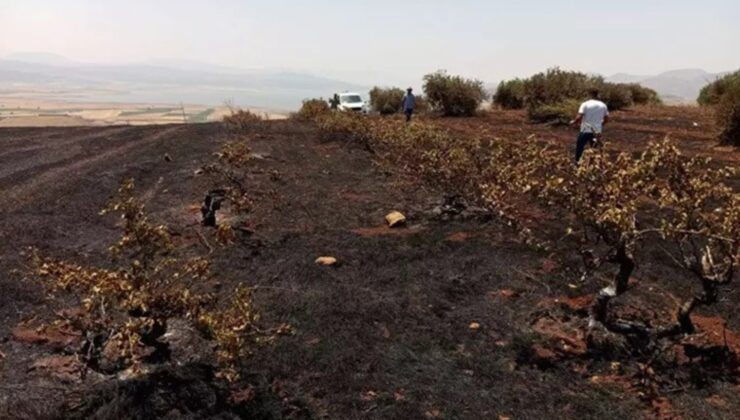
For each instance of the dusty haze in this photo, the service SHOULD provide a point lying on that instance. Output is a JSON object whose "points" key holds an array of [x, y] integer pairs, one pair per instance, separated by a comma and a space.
{"points": [[396, 43]]}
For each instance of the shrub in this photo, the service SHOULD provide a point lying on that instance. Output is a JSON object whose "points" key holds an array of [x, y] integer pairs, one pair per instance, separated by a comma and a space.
{"points": [[615, 96], [712, 93], [312, 108], [701, 216], [386, 101], [350, 126], [453, 95], [728, 114], [555, 86], [242, 120], [560, 113], [232, 173], [642, 95], [126, 307], [510, 94], [545, 93], [724, 94]]}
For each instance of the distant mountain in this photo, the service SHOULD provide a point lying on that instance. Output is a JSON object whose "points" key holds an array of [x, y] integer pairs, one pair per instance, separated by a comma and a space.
{"points": [[626, 78], [673, 86], [167, 82], [41, 58]]}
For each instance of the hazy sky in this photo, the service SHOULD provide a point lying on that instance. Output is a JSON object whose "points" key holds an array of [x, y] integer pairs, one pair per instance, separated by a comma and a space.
{"points": [[357, 39]]}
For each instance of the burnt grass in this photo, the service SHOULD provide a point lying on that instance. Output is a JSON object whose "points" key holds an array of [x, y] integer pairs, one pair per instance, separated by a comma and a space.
{"points": [[384, 334]]}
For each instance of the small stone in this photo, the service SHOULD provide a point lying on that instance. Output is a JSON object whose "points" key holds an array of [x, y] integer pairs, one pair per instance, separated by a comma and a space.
{"points": [[474, 326], [506, 293], [433, 414], [395, 219], [260, 156], [326, 261], [186, 344]]}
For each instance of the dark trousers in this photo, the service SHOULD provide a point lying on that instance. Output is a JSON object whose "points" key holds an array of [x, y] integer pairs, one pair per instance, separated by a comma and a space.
{"points": [[583, 140], [409, 112]]}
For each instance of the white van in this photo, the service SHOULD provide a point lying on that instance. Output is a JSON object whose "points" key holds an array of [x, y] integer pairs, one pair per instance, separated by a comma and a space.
{"points": [[350, 101]]}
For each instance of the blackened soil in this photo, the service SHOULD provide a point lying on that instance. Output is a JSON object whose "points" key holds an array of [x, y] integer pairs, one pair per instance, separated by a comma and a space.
{"points": [[410, 323]]}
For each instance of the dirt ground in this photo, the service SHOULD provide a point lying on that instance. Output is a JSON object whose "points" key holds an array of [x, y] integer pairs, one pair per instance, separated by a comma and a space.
{"points": [[692, 127], [441, 319]]}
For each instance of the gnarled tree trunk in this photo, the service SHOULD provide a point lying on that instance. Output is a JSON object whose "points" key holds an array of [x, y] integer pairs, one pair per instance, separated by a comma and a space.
{"points": [[626, 262]]}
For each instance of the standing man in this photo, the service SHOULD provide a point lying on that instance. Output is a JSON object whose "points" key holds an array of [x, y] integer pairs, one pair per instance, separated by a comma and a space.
{"points": [[334, 101], [592, 116], [408, 104]]}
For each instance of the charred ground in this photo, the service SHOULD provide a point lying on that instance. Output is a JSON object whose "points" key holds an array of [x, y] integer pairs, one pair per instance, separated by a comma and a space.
{"points": [[385, 334]]}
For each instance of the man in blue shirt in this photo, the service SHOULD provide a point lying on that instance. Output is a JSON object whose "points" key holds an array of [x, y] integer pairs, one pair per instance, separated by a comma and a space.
{"points": [[408, 104]]}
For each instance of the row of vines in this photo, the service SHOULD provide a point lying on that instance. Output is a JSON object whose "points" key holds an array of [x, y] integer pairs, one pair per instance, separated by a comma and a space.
{"points": [[152, 281], [613, 203]]}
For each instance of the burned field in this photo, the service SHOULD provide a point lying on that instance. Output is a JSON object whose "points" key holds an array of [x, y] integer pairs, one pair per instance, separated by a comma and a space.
{"points": [[449, 316]]}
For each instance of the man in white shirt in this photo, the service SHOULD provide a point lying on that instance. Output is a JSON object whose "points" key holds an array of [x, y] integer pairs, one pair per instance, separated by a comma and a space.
{"points": [[592, 116]]}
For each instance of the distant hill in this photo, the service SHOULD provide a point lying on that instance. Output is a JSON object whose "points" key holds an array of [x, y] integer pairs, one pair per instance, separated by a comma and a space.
{"points": [[673, 86], [41, 58], [165, 82]]}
